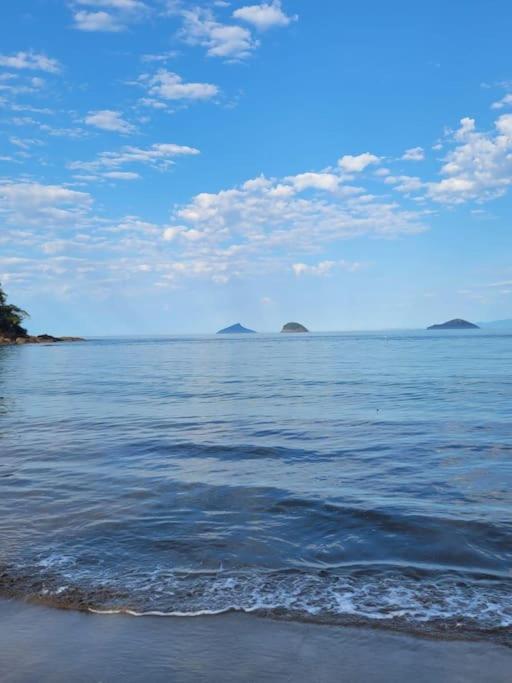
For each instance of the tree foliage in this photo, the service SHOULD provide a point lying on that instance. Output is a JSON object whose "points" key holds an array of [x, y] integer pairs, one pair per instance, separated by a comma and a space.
{"points": [[11, 318]]}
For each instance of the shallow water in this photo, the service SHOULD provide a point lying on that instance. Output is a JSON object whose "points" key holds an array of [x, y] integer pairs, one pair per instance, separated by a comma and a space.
{"points": [[351, 478]]}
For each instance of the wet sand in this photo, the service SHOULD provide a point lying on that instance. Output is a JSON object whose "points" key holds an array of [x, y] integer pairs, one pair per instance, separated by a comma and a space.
{"points": [[39, 644]]}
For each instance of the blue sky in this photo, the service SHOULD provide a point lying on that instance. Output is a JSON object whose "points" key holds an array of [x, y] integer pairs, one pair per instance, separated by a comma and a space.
{"points": [[172, 166]]}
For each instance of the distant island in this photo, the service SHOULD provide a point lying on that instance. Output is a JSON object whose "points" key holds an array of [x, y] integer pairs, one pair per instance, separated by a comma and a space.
{"points": [[236, 329], [294, 327], [455, 324], [12, 331]]}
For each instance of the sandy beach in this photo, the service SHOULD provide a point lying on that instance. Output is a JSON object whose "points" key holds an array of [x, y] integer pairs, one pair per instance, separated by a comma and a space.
{"points": [[40, 644]]}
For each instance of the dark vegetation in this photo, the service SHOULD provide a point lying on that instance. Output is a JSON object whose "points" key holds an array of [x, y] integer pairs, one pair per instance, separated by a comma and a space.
{"points": [[11, 318]]}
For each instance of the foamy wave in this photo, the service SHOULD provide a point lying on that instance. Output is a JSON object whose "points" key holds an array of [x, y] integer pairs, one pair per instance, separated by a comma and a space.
{"points": [[414, 598]]}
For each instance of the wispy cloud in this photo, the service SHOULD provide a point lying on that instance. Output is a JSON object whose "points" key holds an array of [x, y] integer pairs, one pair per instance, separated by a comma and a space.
{"points": [[159, 155], [228, 41], [325, 267], [27, 204], [97, 21], [414, 154], [109, 120], [505, 101], [109, 16], [33, 61], [168, 85]]}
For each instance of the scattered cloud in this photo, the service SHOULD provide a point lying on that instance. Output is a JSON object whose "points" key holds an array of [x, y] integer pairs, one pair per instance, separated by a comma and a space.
{"points": [[479, 167], [59, 132], [298, 213], [121, 175], [227, 41], [30, 60], [505, 101], [97, 21], [25, 143], [121, 5], [414, 154], [170, 86], [25, 204], [405, 183], [356, 164], [264, 16], [110, 120], [159, 155], [109, 16], [314, 181], [325, 267], [162, 57]]}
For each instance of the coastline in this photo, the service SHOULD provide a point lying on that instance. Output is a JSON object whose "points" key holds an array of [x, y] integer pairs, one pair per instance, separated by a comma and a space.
{"points": [[37, 339], [44, 644]]}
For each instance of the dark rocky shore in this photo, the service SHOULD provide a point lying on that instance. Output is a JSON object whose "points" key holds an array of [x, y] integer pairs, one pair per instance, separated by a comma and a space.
{"points": [[12, 331], [38, 339]]}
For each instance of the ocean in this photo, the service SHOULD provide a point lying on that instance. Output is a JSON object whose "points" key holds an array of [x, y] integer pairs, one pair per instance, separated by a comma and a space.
{"points": [[344, 478]]}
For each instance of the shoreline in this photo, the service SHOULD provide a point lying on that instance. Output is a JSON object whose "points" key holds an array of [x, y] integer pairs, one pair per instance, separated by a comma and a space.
{"points": [[37, 339], [41, 644]]}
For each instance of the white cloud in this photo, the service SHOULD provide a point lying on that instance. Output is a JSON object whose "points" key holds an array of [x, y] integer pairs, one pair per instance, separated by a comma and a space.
{"points": [[63, 132], [121, 175], [38, 204], [119, 15], [170, 233], [163, 57], [480, 165], [25, 143], [220, 40], [414, 154], [317, 181], [504, 102], [467, 126], [264, 225], [30, 60], [151, 102], [97, 21], [272, 214], [193, 235], [110, 120], [264, 16], [405, 183], [124, 5], [170, 86], [356, 164], [189, 234], [325, 267], [159, 155]]}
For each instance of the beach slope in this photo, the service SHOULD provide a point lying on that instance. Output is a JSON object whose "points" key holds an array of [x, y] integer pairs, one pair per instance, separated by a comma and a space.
{"points": [[47, 645]]}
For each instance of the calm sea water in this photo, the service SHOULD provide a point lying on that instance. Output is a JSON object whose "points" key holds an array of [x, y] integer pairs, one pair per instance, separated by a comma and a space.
{"points": [[348, 478]]}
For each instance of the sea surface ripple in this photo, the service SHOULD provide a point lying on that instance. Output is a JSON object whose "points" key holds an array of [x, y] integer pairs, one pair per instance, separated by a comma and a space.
{"points": [[344, 478]]}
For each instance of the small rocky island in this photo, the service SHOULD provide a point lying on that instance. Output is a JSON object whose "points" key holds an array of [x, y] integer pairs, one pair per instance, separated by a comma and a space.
{"points": [[294, 327], [12, 331], [236, 329], [455, 324]]}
